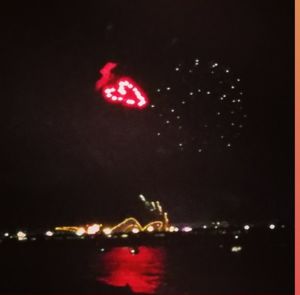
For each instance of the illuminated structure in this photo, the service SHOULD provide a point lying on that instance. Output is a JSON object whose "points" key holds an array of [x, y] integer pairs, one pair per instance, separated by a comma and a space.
{"points": [[128, 225]]}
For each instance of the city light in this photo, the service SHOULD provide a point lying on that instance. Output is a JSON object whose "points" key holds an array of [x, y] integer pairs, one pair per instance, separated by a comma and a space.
{"points": [[133, 251], [21, 236], [131, 225], [187, 229], [66, 228], [49, 233], [107, 231], [80, 231], [6, 234], [171, 228], [236, 249], [128, 225], [135, 230], [150, 228], [93, 229]]}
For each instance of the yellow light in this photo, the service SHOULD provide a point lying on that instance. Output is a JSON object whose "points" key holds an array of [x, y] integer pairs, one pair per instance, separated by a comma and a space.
{"points": [[130, 223], [67, 228], [171, 228], [107, 231], [126, 224], [150, 228], [80, 231], [124, 236], [93, 229], [21, 236], [154, 224]]}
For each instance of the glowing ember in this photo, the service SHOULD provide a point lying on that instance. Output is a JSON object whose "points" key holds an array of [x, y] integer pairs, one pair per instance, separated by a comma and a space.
{"points": [[122, 90]]}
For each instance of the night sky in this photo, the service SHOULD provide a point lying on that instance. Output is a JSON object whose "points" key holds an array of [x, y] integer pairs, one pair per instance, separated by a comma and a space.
{"points": [[68, 156]]}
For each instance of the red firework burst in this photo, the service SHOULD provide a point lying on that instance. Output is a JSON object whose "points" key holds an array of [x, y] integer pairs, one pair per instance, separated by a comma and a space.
{"points": [[120, 90]]}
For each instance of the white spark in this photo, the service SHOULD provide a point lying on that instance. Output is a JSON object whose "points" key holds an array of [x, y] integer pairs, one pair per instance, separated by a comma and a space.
{"points": [[246, 227], [236, 249]]}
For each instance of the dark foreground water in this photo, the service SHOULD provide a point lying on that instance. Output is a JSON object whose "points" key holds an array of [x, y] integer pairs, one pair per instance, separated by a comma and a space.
{"points": [[190, 265]]}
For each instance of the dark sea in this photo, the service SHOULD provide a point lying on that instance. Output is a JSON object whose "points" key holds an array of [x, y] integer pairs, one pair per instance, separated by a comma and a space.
{"points": [[199, 264]]}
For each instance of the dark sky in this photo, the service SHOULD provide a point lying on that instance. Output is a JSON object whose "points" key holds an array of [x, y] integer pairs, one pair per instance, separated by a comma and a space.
{"points": [[68, 157]]}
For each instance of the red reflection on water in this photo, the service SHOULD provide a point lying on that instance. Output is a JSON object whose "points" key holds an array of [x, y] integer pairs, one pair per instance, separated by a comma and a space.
{"points": [[143, 272]]}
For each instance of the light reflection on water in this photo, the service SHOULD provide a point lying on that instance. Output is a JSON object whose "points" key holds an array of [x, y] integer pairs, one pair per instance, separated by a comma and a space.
{"points": [[143, 271]]}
